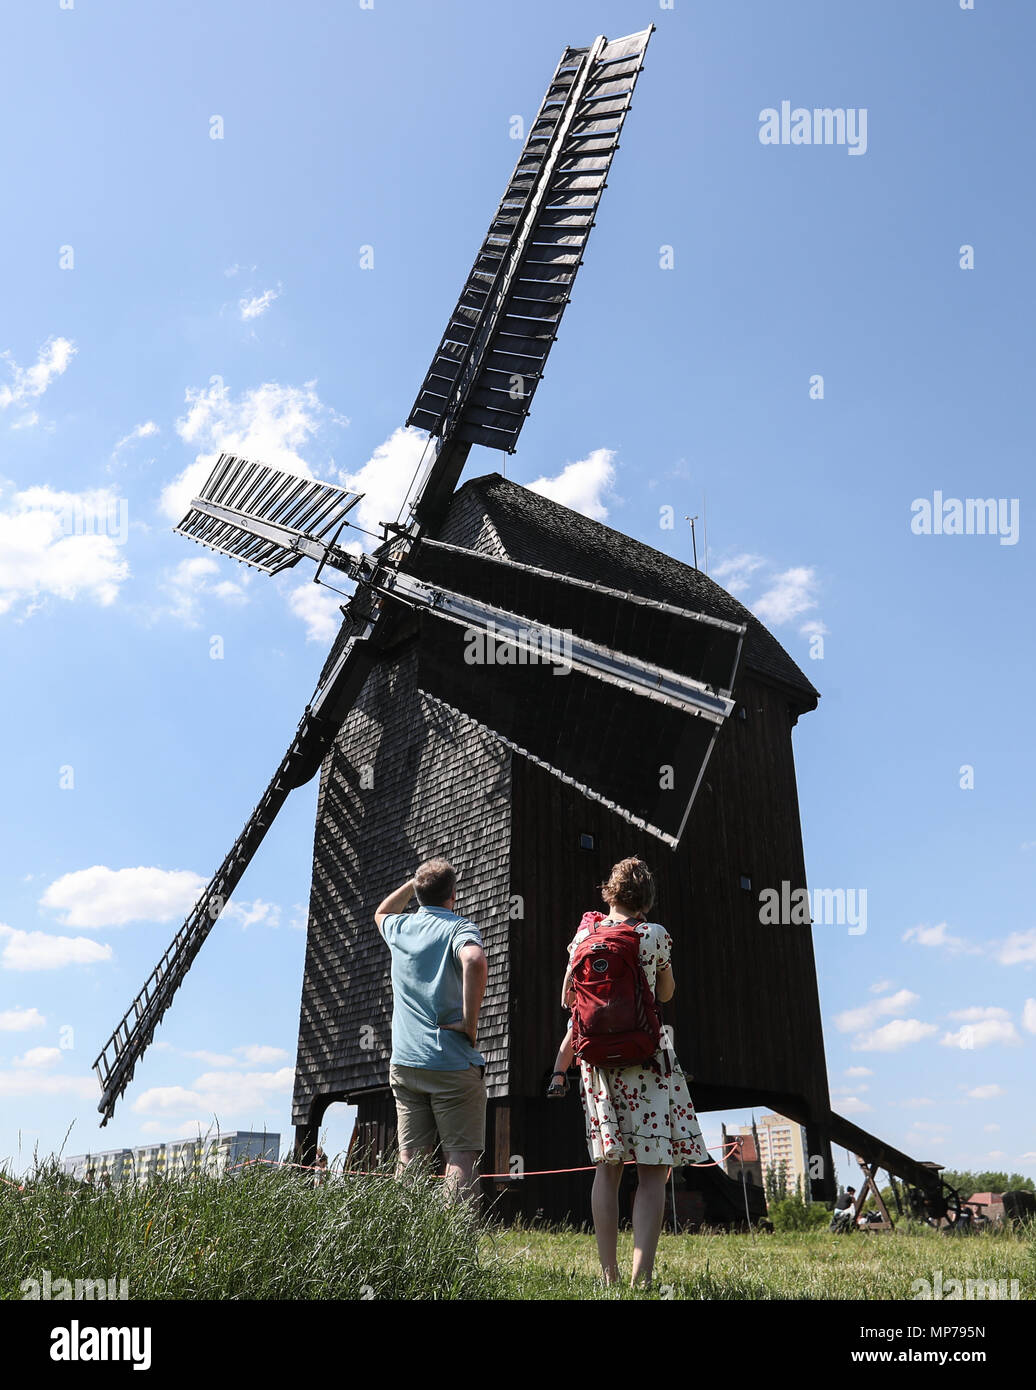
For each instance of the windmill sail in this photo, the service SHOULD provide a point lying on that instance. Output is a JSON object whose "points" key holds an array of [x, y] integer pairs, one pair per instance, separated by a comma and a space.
{"points": [[293, 510], [117, 1060], [477, 391], [491, 358], [622, 697], [695, 644]]}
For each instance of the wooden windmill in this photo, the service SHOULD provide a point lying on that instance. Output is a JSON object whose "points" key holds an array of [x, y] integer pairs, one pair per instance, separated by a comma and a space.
{"points": [[535, 696]]}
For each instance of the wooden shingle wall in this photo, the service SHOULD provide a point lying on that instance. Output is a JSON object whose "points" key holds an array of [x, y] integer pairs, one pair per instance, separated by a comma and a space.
{"points": [[372, 831]]}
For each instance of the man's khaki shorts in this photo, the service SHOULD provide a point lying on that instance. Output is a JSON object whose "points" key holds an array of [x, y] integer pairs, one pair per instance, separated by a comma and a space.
{"points": [[451, 1104]]}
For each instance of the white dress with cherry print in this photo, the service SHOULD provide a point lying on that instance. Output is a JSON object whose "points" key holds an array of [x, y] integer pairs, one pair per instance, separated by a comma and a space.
{"points": [[636, 1112]]}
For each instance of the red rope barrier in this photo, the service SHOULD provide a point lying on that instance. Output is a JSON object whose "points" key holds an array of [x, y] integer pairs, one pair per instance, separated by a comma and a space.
{"points": [[512, 1177]]}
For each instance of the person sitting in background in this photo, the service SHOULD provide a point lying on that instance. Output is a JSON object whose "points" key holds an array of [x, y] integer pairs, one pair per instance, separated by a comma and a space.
{"points": [[843, 1212]]}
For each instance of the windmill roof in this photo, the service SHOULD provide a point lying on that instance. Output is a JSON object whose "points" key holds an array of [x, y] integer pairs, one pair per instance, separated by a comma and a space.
{"points": [[534, 530]]}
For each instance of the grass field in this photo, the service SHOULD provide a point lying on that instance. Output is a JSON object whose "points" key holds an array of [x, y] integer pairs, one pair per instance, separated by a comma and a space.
{"points": [[786, 1265], [269, 1234]]}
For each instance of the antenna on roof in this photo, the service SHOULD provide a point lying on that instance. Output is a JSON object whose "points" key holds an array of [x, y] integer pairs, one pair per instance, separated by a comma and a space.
{"points": [[705, 530], [694, 543]]}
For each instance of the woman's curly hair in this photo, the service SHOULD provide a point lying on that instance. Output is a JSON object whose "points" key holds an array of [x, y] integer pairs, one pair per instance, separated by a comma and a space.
{"points": [[631, 883]]}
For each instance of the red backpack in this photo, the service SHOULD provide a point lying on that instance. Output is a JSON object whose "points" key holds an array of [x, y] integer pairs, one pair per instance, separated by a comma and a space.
{"points": [[615, 1019]]}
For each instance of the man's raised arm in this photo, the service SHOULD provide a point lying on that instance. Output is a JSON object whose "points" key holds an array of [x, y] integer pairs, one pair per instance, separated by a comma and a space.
{"points": [[395, 902]]}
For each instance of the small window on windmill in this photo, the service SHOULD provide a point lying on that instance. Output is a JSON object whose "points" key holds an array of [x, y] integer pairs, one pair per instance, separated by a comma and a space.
{"points": [[742, 713], [586, 841], [746, 883]]}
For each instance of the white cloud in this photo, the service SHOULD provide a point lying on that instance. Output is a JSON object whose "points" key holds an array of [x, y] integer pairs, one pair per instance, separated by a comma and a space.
{"points": [[161, 1099], [319, 609], [939, 936], [145, 431], [188, 1129], [36, 950], [735, 574], [1018, 949], [195, 579], [384, 481], [893, 1036], [20, 1020], [39, 1057], [982, 1034], [61, 544], [990, 1129], [255, 308], [976, 1012], [223, 1093], [881, 986], [790, 594], [852, 1020], [103, 897], [31, 1083], [850, 1105], [916, 1101], [858, 1071], [582, 486], [30, 382], [255, 1054], [987, 1092], [1029, 1016], [269, 424], [248, 914], [252, 1054], [213, 1059]]}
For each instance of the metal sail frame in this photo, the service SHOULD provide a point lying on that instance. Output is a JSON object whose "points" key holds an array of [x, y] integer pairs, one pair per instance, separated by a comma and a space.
{"points": [[510, 307], [506, 319]]}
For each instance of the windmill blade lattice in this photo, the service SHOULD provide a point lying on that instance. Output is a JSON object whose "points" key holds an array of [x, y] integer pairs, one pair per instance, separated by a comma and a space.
{"points": [[291, 510], [491, 358]]}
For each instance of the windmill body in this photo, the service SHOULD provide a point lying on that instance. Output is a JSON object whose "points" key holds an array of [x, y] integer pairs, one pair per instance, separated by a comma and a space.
{"points": [[535, 697], [409, 776]]}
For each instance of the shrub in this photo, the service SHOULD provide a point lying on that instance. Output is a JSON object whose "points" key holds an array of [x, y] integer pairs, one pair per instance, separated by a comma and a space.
{"points": [[793, 1214]]}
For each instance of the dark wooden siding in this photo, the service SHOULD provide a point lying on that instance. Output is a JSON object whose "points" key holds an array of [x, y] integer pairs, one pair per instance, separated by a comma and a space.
{"points": [[440, 785], [746, 1011], [746, 1014]]}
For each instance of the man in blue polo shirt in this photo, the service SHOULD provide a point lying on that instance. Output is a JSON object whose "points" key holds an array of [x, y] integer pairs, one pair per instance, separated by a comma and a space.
{"points": [[439, 974]]}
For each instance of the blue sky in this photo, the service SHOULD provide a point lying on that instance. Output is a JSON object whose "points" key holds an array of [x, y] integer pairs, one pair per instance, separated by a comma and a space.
{"points": [[166, 294]]}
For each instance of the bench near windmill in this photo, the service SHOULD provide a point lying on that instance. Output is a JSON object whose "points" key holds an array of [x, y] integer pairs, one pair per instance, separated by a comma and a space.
{"points": [[535, 696]]}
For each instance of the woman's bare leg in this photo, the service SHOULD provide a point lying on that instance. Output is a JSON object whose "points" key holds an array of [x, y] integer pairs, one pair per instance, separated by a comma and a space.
{"points": [[648, 1211], [604, 1202]]}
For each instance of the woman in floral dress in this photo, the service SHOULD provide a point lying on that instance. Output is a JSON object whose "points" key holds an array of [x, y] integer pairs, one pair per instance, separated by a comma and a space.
{"points": [[641, 1112]]}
